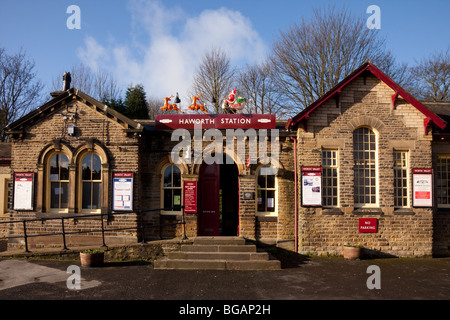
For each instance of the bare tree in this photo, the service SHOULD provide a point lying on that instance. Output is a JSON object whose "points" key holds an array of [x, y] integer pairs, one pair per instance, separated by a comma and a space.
{"points": [[19, 88], [98, 84], [213, 78], [312, 57], [431, 77], [256, 85]]}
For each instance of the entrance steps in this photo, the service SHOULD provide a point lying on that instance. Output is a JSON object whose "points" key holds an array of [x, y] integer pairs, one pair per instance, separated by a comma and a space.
{"points": [[218, 253]]}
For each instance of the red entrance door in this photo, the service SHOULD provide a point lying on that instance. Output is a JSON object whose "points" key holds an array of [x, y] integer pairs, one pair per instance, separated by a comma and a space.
{"points": [[208, 200]]}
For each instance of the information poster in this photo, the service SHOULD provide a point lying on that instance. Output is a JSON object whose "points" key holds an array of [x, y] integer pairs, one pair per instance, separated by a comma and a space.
{"points": [[190, 196], [23, 191], [422, 187], [123, 191], [311, 186]]}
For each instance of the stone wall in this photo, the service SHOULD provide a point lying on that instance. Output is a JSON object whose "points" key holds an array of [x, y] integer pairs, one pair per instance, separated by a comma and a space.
{"points": [[366, 102], [93, 131]]}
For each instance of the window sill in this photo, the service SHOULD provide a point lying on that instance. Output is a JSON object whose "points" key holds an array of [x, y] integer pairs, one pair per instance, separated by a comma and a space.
{"points": [[368, 211], [171, 213], [332, 211], [267, 218], [404, 211], [80, 215]]}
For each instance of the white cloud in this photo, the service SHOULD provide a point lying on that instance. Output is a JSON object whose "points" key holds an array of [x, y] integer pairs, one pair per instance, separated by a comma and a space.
{"points": [[167, 46]]}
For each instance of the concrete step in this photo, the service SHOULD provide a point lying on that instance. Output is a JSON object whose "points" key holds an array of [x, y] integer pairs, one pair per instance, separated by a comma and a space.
{"points": [[186, 264], [219, 241], [218, 255], [218, 248]]}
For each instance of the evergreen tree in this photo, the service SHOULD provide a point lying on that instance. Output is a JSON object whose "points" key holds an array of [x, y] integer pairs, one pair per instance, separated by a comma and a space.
{"points": [[136, 103]]}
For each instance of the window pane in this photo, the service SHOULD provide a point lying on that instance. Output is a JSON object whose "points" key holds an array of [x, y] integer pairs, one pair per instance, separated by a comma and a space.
{"points": [[261, 181], [86, 167], [96, 195], [176, 180], [54, 168], [270, 181], [86, 196], [64, 190], [168, 198], [168, 177], [270, 200], [54, 195], [176, 197], [64, 167], [96, 167], [262, 200]]}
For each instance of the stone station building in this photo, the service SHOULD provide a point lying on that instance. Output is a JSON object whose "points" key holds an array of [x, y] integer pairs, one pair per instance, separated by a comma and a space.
{"points": [[355, 156]]}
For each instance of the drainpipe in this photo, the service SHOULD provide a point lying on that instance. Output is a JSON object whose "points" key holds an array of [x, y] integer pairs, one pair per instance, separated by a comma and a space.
{"points": [[295, 201]]}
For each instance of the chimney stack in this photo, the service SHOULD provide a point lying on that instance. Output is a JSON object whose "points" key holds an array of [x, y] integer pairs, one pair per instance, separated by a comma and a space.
{"points": [[66, 80]]}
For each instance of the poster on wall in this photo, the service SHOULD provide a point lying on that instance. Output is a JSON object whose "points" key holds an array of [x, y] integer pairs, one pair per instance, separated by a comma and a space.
{"points": [[123, 191], [23, 191], [190, 196], [311, 186], [422, 187]]}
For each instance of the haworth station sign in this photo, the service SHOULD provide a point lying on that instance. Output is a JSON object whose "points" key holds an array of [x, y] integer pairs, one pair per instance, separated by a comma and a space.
{"points": [[215, 121]]}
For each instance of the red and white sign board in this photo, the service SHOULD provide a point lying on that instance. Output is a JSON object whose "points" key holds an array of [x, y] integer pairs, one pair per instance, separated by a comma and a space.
{"points": [[311, 186], [190, 196], [215, 121], [23, 191], [422, 187], [368, 225]]}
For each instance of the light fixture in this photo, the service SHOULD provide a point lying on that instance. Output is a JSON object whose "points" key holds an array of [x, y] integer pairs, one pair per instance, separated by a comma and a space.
{"points": [[177, 99]]}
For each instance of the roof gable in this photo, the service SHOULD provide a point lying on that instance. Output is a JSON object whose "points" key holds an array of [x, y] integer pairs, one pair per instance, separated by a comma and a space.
{"points": [[369, 67], [62, 99]]}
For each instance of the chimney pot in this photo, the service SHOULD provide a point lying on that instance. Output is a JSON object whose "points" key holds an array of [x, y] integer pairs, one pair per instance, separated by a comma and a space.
{"points": [[66, 81]]}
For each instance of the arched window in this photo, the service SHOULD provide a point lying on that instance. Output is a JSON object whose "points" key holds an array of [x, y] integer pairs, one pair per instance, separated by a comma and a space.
{"points": [[91, 182], [266, 191], [171, 189], [365, 167], [58, 182]]}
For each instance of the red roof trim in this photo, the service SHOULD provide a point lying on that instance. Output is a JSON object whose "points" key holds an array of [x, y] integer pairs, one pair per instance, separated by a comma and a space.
{"points": [[380, 75]]}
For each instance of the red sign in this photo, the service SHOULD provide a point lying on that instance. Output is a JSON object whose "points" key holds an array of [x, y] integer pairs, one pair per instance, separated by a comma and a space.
{"points": [[368, 225], [422, 170], [190, 196], [215, 121], [311, 169]]}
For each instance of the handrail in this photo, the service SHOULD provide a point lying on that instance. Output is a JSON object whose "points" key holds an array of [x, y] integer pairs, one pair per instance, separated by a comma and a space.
{"points": [[102, 229]]}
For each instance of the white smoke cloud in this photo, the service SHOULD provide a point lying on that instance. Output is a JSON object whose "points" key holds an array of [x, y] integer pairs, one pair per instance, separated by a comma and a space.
{"points": [[167, 45]]}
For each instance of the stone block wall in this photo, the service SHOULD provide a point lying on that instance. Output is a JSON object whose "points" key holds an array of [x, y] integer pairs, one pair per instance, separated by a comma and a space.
{"points": [[366, 101], [93, 131]]}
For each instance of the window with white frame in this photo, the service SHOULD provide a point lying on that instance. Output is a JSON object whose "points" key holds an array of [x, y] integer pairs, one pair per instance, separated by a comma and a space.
{"points": [[58, 182], [443, 180], [266, 190], [330, 178], [401, 181], [171, 189], [365, 167], [91, 182]]}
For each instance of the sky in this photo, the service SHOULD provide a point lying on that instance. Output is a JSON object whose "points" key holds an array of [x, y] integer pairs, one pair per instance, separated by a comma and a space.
{"points": [[159, 43]]}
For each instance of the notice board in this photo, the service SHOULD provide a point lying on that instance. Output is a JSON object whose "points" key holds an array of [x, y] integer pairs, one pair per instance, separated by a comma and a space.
{"points": [[23, 191], [123, 191], [422, 187], [190, 196], [311, 186]]}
